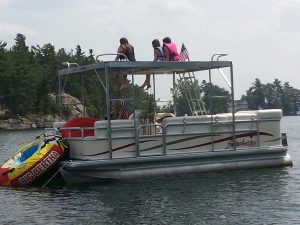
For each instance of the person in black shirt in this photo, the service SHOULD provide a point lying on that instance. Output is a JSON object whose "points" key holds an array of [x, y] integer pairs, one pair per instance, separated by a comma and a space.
{"points": [[128, 50]]}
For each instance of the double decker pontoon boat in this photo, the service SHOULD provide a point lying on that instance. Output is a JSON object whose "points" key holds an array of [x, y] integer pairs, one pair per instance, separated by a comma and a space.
{"points": [[173, 145]]}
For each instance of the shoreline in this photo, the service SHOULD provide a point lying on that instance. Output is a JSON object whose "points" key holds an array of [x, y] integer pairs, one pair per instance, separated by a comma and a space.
{"points": [[28, 123]]}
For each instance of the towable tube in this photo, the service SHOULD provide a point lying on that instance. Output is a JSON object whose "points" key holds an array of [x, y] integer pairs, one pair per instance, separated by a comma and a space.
{"points": [[32, 161]]}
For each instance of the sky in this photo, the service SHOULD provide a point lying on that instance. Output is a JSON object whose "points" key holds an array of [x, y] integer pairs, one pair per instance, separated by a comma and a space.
{"points": [[261, 37]]}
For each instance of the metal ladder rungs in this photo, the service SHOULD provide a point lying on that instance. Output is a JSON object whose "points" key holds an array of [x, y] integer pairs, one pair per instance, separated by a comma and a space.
{"points": [[192, 93]]}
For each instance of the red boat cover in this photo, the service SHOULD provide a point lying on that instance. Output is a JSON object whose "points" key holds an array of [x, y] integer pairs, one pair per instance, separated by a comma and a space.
{"points": [[79, 122]]}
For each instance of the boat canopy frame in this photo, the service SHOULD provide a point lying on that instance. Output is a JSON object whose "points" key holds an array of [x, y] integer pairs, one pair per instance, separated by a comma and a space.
{"points": [[148, 67], [158, 68]]}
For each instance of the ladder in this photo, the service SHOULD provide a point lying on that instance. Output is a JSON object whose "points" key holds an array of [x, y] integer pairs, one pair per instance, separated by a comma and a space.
{"points": [[189, 86]]}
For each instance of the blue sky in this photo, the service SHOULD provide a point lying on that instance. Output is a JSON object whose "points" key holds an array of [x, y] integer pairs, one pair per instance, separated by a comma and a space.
{"points": [[261, 37]]}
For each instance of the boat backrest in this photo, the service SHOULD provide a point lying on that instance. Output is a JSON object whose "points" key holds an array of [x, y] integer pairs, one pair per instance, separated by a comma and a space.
{"points": [[185, 124], [159, 117], [260, 114], [192, 124], [119, 128], [221, 117], [269, 114], [58, 125], [244, 116]]}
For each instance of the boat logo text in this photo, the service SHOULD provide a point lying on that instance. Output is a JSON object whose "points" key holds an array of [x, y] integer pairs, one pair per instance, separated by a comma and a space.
{"points": [[241, 143], [40, 168]]}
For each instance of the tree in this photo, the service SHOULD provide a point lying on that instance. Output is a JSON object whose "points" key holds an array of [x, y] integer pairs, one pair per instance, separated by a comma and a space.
{"points": [[46, 79], [3, 67], [19, 79], [20, 44], [2, 48], [269, 97], [215, 98], [255, 95], [276, 96], [277, 93], [289, 100]]}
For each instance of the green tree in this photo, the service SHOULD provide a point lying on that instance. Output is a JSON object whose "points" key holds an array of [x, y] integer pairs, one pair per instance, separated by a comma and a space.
{"points": [[276, 96], [289, 100], [255, 95], [19, 79], [215, 98], [269, 97], [3, 66], [45, 58]]}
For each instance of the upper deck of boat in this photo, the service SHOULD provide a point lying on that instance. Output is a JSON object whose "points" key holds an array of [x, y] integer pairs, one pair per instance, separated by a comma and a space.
{"points": [[147, 67]]}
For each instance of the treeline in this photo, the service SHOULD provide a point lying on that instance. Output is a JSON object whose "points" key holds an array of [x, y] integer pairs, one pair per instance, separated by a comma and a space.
{"points": [[276, 95], [29, 74]]}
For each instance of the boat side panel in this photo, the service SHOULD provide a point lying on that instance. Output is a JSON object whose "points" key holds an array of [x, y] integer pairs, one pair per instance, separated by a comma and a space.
{"points": [[182, 135], [93, 149], [151, 145]]}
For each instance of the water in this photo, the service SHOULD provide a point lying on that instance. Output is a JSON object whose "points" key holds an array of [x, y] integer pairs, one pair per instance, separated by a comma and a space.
{"points": [[260, 196]]}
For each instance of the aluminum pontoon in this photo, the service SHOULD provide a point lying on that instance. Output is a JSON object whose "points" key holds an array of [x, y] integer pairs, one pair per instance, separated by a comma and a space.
{"points": [[135, 148]]}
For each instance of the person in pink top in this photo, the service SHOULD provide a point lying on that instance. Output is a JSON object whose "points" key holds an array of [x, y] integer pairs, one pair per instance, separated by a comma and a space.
{"points": [[170, 50]]}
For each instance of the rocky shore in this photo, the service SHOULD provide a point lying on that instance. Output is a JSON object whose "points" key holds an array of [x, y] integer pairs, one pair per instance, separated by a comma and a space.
{"points": [[31, 121], [35, 121]]}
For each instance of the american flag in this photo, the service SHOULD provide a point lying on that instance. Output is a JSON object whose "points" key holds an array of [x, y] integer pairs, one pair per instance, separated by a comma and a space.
{"points": [[184, 54]]}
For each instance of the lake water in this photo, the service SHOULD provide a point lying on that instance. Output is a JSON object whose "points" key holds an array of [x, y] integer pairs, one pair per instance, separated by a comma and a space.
{"points": [[259, 196]]}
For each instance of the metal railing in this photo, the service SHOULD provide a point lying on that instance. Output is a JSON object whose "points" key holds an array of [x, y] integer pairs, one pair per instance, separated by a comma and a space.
{"points": [[161, 131]]}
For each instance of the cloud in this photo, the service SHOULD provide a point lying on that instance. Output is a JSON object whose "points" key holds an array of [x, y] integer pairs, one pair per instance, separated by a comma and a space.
{"points": [[4, 2], [288, 12], [9, 31]]}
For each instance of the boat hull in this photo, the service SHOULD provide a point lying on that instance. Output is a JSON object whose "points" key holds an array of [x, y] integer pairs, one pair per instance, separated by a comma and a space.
{"points": [[32, 161], [169, 165]]}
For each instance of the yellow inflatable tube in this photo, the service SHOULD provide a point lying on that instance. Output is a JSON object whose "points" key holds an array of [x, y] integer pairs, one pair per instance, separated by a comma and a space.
{"points": [[32, 161]]}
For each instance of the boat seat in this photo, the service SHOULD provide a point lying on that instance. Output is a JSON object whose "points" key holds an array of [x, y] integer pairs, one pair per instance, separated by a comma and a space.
{"points": [[221, 117], [185, 124], [119, 128], [159, 117]]}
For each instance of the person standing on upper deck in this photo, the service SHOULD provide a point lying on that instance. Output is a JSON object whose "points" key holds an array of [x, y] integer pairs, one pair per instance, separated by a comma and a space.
{"points": [[128, 50], [158, 56], [170, 50]]}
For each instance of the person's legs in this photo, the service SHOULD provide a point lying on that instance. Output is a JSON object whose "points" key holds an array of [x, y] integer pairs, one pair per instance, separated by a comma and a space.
{"points": [[124, 77], [122, 81], [116, 80], [147, 82]]}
